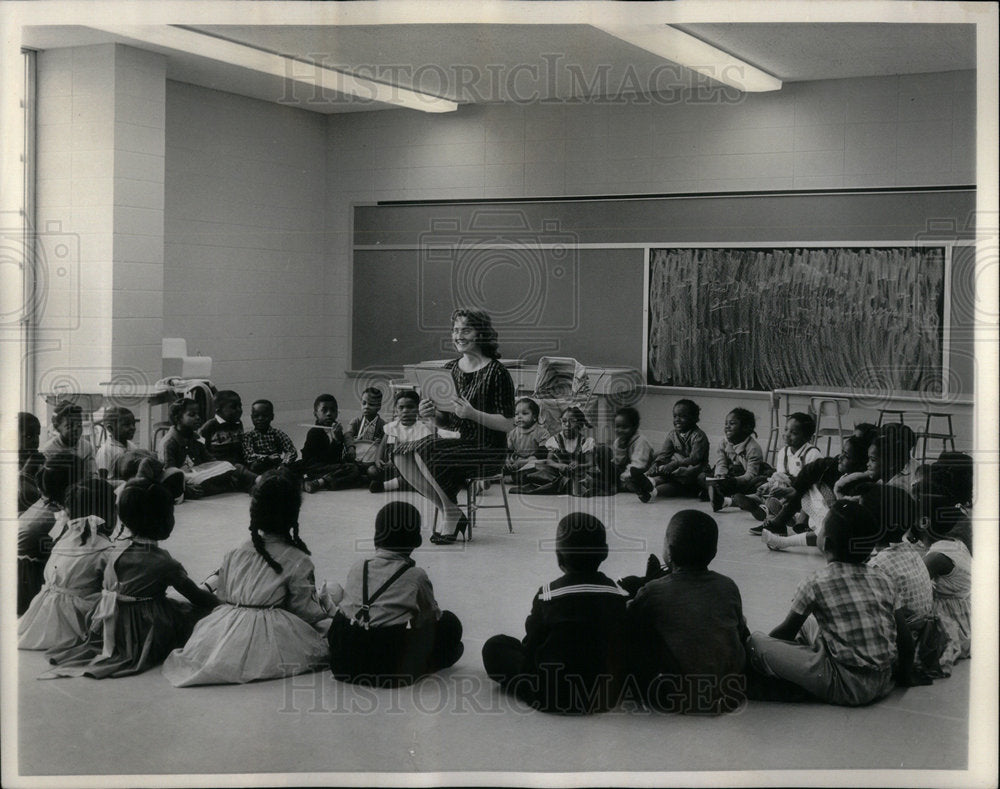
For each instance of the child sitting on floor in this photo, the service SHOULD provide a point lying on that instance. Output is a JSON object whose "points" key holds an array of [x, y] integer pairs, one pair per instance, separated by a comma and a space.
{"points": [[682, 459], [952, 475], [896, 513], [797, 452], [119, 429], [845, 632], [404, 428], [135, 625], [949, 565], [67, 421], [687, 628], [328, 453], [389, 630], [181, 448], [739, 465], [572, 659], [569, 466], [223, 437], [266, 447], [29, 460], [889, 457], [813, 494], [526, 442], [632, 452], [368, 430], [58, 616], [266, 623], [34, 526]]}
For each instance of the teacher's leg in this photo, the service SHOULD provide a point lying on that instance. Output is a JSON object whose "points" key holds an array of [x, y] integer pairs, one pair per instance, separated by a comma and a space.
{"points": [[412, 468]]}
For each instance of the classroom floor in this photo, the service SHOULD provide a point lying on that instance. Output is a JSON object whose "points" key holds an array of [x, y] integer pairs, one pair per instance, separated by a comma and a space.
{"points": [[457, 721]]}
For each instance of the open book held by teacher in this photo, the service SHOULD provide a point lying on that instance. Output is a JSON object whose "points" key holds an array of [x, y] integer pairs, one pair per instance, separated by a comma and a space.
{"points": [[436, 384]]}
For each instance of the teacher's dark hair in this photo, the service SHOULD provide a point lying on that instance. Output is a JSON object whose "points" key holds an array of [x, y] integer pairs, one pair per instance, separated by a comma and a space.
{"points": [[486, 335]]}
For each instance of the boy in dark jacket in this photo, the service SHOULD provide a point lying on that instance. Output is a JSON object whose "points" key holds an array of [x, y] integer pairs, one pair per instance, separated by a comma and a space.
{"points": [[571, 659]]}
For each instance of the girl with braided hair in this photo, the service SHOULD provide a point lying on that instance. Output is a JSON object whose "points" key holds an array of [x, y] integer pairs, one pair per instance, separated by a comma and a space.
{"points": [[267, 624], [135, 625]]}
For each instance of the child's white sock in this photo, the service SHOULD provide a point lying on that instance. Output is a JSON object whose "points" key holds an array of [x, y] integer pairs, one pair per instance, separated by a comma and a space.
{"points": [[727, 501], [392, 484]]}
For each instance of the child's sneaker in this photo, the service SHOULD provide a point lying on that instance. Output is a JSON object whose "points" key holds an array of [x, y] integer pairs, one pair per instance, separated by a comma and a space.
{"points": [[773, 506], [801, 526], [643, 485], [774, 542], [748, 504], [313, 485], [376, 486]]}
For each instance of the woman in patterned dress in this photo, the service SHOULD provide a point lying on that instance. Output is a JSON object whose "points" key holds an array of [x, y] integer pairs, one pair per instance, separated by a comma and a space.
{"points": [[483, 413]]}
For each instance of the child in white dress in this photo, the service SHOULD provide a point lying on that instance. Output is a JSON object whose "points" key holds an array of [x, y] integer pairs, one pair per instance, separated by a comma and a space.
{"points": [[405, 428], [266, 624], [949, 564], [74, 574]]}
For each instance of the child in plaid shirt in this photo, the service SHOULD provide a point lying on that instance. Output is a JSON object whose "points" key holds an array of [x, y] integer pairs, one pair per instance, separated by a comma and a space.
{"points": [[266, 447], [844, 634], [896, 556]]}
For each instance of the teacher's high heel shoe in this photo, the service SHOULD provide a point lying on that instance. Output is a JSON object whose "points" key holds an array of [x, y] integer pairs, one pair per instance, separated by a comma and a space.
{"points": [[447, 539]]}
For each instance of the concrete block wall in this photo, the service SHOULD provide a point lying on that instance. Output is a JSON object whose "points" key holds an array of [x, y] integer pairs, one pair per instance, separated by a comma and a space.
{"points": [[247, 278], [99, 212]]}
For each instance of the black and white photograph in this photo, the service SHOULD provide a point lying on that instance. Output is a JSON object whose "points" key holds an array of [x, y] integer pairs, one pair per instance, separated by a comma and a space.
{"points": [[535, 393]]}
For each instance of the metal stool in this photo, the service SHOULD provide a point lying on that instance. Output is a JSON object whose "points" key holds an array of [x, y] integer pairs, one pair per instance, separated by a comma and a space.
{"points": [[927, 434], [472, 505], [896, 412], [830, 408], [160, 429]]}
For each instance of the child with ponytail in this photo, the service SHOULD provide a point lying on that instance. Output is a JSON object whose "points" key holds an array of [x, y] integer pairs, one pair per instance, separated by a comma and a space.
{"points": [[266, 625], [135, 625]]}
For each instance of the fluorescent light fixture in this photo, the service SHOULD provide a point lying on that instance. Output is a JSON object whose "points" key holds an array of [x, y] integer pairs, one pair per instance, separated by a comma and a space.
{"points": [[694, 54], [303, 72]]}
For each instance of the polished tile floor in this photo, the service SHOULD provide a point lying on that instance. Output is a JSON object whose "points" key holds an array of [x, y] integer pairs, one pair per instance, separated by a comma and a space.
{"points": [[457, 721]]}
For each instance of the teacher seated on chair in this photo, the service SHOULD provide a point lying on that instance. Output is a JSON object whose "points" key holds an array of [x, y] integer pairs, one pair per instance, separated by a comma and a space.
{"points": [[482, 413]]}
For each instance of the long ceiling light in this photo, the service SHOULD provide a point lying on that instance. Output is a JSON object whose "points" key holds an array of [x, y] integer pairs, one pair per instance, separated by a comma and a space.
{"points": [[230, 52], [686, 50]]}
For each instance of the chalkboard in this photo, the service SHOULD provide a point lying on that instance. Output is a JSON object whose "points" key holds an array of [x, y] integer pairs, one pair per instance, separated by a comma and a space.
{"points": [[568, 277], [765, 319], [581, 305]]}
